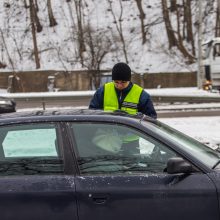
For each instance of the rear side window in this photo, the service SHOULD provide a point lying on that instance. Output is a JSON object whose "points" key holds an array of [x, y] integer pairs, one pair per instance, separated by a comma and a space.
{"points": [[30, 149]]}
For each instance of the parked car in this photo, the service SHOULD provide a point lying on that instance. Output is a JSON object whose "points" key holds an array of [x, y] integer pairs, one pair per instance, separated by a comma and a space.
{"points": [[87, 164], [7, 105]]}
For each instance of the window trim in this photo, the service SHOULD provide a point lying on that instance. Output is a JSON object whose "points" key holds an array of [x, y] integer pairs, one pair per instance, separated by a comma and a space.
{"points": [[72, 144]]}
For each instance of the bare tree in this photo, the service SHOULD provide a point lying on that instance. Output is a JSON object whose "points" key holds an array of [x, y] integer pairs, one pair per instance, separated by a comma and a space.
{"points": [[36, 6], [17, 84], [188, 20], [180, 43], [99, 45], [80, 32], [7, 51], [170, 32], [25, 4], [39, 27], [33, 30], [173, 41], [142, 17], [173, 5], [178, 24], [119, 27], [52, 20]]}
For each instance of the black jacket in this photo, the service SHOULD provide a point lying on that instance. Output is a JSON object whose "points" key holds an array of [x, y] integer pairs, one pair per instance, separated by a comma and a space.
{"points": [[145, 104]]}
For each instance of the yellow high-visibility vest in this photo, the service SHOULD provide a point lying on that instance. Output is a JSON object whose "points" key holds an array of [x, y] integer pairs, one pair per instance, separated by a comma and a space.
{"points": [[130, 103]]}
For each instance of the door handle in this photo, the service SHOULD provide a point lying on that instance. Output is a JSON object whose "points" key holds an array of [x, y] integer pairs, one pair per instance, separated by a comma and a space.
{"points": [[99, 199]]}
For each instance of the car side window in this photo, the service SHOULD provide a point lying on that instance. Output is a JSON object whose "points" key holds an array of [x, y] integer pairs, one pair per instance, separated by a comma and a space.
{"points": [[113, 148], [30, 149]]}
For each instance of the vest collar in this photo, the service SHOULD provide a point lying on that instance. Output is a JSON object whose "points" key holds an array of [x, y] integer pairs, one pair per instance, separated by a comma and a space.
{"points": [[126, 90]]}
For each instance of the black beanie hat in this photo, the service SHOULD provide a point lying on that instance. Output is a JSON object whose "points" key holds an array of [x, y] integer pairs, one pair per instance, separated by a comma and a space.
{"points": [[121, 71]]}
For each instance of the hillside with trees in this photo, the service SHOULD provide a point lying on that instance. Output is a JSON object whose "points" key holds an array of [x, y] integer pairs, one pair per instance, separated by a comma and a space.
{"points": [[150, 35]]}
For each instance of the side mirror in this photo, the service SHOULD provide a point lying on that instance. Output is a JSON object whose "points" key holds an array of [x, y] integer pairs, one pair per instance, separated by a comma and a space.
{"points": [[178, 165]]}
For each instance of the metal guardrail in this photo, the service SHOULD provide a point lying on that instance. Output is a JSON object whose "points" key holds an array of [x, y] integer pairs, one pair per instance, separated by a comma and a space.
{"points": [[82, 98], [188, 99]]}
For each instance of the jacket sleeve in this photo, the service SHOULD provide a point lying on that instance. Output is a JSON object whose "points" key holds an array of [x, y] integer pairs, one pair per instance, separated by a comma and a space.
{"points": [[97, 100], [146, 105]]}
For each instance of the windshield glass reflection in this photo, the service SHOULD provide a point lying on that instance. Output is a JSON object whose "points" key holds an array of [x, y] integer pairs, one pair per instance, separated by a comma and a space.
{"points": [[203, 153]]}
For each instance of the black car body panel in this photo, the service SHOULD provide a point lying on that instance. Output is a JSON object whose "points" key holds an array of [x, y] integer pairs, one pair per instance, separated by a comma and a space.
{"points": [[38, 197], [67, 177], [147, 197], [7, 105]]}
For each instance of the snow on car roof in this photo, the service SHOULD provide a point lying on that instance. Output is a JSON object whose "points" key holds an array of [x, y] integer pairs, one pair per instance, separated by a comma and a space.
{"points": [[64, 112]]}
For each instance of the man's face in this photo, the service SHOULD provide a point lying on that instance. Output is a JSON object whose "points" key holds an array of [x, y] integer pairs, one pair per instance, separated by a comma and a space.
{"points": [[120, 85]]}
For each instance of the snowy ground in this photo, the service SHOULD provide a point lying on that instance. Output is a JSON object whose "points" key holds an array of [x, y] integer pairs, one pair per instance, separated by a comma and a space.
{"points": [[204, 129]]}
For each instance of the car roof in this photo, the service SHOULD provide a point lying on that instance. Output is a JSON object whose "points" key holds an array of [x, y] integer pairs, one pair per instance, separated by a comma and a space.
{"points": [[54, 112], [65, 114]]}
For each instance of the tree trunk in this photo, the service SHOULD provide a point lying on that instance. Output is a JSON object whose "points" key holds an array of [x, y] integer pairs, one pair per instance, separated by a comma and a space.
{"points": [[52, 20], [180, 44], [184, 19], [82, 48], [189, 36], [33, 30], [173, 5], [178, 25], [25, 4], [36, 6], [36, 18], [170, 33], [142, 17]]}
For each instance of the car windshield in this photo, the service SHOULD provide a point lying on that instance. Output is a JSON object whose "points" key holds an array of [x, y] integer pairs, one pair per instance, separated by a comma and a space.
{"points": [[203, 153]]}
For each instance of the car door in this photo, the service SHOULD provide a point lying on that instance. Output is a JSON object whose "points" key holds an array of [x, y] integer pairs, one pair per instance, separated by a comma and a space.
{"points": [[33, 177], [123, 176]]}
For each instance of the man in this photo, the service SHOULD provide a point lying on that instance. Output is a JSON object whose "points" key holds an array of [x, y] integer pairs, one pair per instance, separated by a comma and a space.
{"points": [[123, 94]]}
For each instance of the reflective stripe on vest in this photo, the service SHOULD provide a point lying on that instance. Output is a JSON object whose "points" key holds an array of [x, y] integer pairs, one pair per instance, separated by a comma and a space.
{"points": [[129, 138], [130, 102]]}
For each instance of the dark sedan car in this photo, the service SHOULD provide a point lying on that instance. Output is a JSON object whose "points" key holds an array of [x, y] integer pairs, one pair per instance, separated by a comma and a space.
{"points": [[7, 105], [84, 164]]}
